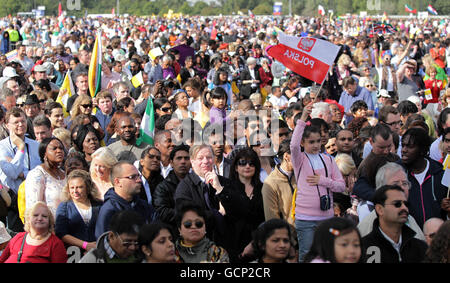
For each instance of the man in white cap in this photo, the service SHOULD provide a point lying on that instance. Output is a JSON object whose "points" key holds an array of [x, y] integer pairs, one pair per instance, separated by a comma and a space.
{"points": [[382, 97], [9, 80]]}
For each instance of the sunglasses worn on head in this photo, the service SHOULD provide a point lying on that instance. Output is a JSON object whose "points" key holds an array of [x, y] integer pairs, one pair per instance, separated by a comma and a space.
{"points": [[398, 203], [197, 224]]}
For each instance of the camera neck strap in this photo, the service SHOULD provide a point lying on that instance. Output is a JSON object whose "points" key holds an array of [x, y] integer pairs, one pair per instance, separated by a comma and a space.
{"points": [[326, 172]]}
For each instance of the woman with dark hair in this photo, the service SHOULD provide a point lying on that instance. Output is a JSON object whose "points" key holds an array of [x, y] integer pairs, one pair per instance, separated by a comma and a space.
{"points": [[216, 63], [87, 141], [194, 246], [46, 181], [200, 66], [357, 124], [244, 173], [156, 244], [272, 241], [162, 107], [4, 48], [336, 240], [126, 104], [75, 160], [221, 79], [180, 103], [188, 70]]}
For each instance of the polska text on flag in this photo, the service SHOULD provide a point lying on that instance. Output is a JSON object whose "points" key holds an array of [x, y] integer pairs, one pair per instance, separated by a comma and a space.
{"points": [[307, 56]]}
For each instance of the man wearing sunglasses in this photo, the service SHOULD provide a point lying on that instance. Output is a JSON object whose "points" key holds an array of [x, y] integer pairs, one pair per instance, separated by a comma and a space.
{"points": [[389, 174], [124, 195], [120, 243], [391, 241]]}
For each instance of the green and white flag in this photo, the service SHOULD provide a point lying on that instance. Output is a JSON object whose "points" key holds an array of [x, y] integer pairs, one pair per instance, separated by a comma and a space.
{"points": [[147, 129]]}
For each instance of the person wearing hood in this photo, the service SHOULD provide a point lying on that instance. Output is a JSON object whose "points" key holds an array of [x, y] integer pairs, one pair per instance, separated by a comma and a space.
{"points": [[124, 195]]}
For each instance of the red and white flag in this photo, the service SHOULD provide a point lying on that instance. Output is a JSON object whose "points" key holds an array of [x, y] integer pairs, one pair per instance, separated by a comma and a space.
{"points": [[321, 10], [307, 56]]}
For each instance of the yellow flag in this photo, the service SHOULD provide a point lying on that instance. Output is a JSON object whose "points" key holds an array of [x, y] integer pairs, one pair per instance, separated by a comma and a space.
{"points": [[137, 80], [66, 91]]}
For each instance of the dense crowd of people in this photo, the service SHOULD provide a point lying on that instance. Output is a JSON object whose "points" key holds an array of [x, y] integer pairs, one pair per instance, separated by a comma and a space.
{"points": [[250, 162]]}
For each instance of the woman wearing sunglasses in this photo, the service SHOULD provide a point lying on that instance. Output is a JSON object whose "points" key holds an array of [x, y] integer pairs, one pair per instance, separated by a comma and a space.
{"points": [[194, 246], [244, 173], [162, 107]]}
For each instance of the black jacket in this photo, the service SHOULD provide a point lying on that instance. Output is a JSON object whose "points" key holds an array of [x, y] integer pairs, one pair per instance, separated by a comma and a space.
{"points": [[220, 228], [246, 89], [153, 183], [377, 249], [425, 200], [164, 199]]}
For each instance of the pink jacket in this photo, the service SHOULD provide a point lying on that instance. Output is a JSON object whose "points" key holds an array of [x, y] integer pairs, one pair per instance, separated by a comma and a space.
{"points": [[307, 202]]}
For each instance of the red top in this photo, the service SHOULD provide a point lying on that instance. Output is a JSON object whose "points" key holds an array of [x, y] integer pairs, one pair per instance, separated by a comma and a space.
{"points": [[435, 86], [435, 54], [266, 77], [51, 251]]}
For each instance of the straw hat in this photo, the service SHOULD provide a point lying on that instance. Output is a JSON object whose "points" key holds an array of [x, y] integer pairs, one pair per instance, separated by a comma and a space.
{"points": [[4, 236]]}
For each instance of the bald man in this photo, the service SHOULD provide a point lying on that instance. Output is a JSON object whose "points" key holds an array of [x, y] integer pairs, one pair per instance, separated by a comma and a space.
{"points": [[126, 148], [430, 227]]}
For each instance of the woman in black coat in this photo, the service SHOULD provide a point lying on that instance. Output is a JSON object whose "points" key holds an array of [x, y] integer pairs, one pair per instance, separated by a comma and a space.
{"points": [[244, 175]]}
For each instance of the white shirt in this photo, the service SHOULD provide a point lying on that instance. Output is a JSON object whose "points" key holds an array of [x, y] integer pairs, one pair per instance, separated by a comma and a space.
{"points": [[421, 176], [278, 102]]}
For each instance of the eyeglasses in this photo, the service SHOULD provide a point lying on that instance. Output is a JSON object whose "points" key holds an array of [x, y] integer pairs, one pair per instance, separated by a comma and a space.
{"points": [[127, 244], [403, 184], [197, 224], [134, 177], [86, 105], [394, 123], [398, 203], [166, 109], [244, 162]]}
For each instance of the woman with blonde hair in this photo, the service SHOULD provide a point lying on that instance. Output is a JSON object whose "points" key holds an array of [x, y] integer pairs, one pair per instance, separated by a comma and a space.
{"points": [[82, 105], [64, 136], [77, 213], [38, 244], [348, 169], [103, 160]]}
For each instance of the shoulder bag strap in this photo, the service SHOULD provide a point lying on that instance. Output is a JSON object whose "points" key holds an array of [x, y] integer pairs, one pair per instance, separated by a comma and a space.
{"points": [[19, 255]]}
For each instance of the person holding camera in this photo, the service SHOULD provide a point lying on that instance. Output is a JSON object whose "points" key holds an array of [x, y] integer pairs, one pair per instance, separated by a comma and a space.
{"points": [[317, 176]]}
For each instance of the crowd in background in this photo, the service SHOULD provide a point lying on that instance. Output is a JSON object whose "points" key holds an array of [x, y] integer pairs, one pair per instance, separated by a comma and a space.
{"points": [[250, 162]]}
